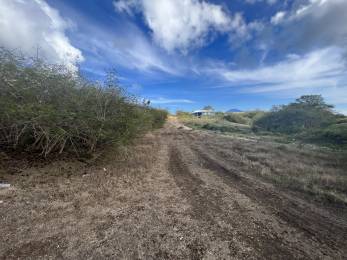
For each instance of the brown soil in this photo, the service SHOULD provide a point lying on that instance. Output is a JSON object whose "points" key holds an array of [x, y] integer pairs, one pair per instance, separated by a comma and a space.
{"points": [[177, 194]]}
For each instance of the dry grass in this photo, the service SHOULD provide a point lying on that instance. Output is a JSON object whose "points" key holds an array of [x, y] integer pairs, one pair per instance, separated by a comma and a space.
{"points": [[66, 209], [318, 172], [215, 123], [313, 171], [157, 200], [189, 119]]}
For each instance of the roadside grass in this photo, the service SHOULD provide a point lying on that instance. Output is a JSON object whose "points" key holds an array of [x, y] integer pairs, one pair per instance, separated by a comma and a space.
{"points": [[315, 171], [70, 206], [219, 124], [326, 187], [214, 123], [321, 174]]}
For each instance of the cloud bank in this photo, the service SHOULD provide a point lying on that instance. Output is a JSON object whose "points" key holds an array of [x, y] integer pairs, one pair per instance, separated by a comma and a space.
{"points": [[31, 26], [185, 24]]}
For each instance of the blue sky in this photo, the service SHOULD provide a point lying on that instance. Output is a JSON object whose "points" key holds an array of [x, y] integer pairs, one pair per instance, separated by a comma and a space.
{"points": [[185, 54]]}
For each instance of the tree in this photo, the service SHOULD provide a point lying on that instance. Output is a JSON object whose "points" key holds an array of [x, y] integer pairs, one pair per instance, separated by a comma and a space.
{"points": [[308, 112], [313, 101]]}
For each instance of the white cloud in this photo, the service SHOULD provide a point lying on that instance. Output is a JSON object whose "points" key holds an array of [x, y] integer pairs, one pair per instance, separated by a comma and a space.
{"points": [[34, 25], [270, 2], [183, 24], [162, 100], [123, 46], [323, 70], [126, 6], [140, 54], [278, 18], [324, 63], [316, 8], [318, 23]]}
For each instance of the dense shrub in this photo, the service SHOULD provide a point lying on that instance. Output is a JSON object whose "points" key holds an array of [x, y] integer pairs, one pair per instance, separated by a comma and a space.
{"points": [[335, 135], [308, 119], [224, 128], [237, 118], [158, 117], [308, 112], [244, 117], [48, 109], [254, 115]]}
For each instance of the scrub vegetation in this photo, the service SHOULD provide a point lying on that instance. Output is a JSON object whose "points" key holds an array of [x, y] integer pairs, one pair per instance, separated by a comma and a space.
{"points": [[179, 194], [265, 178], [301, 146], [307, 120], [49, 110]]}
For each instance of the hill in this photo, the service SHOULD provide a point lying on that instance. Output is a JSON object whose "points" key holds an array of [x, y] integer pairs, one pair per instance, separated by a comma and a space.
{"points": [[233, 110]]}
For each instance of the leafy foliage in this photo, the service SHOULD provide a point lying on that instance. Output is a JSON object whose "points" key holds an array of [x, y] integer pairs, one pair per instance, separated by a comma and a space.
{"points": [[47, 109], [244, 117], [309, 118], [237, 118], [335, 134], [308, 112]]}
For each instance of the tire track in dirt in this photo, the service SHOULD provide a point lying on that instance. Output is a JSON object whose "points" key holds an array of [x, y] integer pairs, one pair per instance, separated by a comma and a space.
{"points": [[286, 223], [209, 206], [191, 186], [317, 228]]}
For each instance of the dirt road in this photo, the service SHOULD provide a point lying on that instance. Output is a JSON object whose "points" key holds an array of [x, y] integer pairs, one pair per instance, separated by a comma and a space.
{"points": [[180, 194]]}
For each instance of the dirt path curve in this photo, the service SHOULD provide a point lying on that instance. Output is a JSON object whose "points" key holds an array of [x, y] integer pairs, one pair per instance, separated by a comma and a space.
{"points": [[181, 194]]}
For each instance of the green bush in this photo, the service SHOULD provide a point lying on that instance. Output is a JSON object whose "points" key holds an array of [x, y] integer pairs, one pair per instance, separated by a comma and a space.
{"points": [[308, 119], [298, 117], [341, 119], [254, 115], [47, 109], [246, 118], [332, 135], [237, 118], [221, 128], [159, 117]]}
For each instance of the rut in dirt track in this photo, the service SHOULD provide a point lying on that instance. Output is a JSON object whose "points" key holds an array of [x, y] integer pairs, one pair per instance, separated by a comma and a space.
{"points": [[305, 231], [176, 194], [207, 205], [315, 224]]}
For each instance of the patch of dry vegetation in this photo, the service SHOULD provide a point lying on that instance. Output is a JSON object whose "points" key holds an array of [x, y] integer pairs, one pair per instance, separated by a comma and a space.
{"points": [[321, 174], [215, 123], [47, 109], [71, 209], [315, 171]]}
